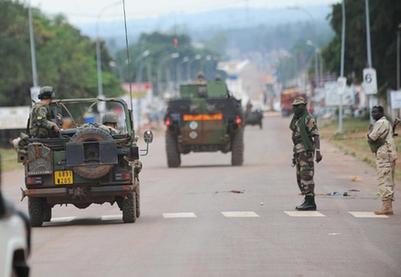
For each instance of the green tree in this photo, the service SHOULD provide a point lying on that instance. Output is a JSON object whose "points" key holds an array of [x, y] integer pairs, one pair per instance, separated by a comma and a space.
{"points": [[385, 16], [66, 59]]}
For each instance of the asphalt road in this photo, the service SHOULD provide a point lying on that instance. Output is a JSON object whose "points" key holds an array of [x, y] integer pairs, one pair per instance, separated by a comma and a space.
{"points": [[192, 224]]}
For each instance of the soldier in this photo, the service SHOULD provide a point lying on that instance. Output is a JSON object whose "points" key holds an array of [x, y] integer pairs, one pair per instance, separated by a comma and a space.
{"points": [[380, 139], [305, 136], [41, 125], [110, 123], [200, 80]]}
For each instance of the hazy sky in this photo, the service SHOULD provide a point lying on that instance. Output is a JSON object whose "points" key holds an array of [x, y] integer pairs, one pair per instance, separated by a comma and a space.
{"points": [[87, 10]]}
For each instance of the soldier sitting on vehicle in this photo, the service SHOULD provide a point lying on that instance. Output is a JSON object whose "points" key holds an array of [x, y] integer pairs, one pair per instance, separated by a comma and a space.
{"points": [[110, 123], [200, 80], [41, 124]]}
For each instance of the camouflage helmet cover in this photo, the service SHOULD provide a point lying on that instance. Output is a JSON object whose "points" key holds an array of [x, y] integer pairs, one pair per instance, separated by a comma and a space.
{"points": [[46, 92], [110, 118], [299, 101]]}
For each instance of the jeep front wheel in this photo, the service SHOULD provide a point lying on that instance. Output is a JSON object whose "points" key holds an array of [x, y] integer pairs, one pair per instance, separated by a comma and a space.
{"points": [[36, 211], [173, 155], [138, 202], [128, 206]]}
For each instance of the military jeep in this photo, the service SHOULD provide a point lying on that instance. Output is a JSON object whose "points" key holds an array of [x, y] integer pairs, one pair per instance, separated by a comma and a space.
{"points": [[87, 163], [204, 118]]}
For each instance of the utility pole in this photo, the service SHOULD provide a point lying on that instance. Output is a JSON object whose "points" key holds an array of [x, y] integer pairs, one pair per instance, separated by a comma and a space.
{"points": [[340, 109], [98, 50], [33, 49], [398, 55], [369, 48]]}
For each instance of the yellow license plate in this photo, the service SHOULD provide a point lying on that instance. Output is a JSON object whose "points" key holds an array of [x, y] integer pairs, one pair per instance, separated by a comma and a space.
{"points": [[64, 177]]}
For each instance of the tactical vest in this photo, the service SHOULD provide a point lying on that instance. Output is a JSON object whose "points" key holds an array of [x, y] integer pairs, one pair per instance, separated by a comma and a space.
{"points": [[36, 128]]}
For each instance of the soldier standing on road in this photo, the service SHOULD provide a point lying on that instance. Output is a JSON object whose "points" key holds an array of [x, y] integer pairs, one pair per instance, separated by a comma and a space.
{"points": [[41, 125], [380, 138], [305, 136]]}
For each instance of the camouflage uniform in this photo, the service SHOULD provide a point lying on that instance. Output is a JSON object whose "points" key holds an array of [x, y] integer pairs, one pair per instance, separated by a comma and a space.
{"points": [[304, 159], [385, 157], [110, 118], [41, 125]]}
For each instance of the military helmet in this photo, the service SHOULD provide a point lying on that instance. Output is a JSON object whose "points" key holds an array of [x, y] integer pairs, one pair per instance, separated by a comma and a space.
{"points": [[299, 101], [201, 75], [110, 118], [46, 93]]}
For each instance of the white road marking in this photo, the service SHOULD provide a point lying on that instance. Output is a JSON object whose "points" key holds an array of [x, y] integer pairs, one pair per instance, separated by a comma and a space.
{"points": [[304, 213], [63, 219], [334, 234], [111, 217], [240, 214], [367, 215], [179, 215]]}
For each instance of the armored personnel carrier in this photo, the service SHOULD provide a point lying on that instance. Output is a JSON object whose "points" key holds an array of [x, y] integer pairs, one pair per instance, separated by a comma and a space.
{"points": [[204, 118]]}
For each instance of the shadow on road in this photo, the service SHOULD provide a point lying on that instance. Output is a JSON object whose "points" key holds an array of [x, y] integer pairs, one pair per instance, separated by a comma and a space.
{"points": [[83, 222]]}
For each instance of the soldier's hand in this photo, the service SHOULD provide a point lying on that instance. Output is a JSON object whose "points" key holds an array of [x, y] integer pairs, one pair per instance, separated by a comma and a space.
{"points": [[319, 156], [56, 128]]}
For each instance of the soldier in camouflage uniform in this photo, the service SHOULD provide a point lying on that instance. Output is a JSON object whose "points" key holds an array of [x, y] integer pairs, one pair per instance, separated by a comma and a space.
{"points": [[380, 138], [110, 123], [305, 136], [41, 125]]}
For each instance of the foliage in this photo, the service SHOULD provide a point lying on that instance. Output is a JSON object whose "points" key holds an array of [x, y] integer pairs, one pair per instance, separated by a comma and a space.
{"points": [[385, 16], [66, 59]]}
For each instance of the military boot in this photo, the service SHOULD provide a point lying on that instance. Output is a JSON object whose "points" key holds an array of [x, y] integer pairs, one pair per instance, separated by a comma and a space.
{"points": [[308, 205], [387, 208]]}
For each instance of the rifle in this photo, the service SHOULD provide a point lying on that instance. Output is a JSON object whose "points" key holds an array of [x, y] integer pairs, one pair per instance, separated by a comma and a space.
{"points": [[396, 122], [375, 145]]}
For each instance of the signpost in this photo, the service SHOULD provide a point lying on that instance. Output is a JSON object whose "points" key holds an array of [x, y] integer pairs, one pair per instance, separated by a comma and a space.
{"points": [[395, 99], [370, 87], [369, 81]]}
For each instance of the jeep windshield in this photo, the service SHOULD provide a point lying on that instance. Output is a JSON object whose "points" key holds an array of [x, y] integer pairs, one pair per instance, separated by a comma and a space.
{"points": [[77, 113]]}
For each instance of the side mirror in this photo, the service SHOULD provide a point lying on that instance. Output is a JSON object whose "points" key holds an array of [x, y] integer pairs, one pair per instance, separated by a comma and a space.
{"points": [[148, 136]]}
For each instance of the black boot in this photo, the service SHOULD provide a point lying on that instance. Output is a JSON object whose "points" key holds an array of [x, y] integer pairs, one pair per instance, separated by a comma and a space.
{"points": [[308, 205]]}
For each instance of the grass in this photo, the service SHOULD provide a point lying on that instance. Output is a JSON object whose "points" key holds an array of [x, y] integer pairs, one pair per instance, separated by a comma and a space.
{"points": [[9, 159], [353, 140]]}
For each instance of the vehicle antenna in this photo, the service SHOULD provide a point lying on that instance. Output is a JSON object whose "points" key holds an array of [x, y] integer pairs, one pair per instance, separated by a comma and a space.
{"points": [[128, 56]]}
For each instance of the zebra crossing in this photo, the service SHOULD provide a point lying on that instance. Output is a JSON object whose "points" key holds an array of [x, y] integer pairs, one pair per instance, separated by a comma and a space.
{"points": [[233, 214]]}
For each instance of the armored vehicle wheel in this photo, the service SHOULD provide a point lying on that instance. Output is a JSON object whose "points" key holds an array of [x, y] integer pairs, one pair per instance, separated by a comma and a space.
{"points": [[47, 212], [237, 154], [36, 211], [129, 208], [173, 156]]}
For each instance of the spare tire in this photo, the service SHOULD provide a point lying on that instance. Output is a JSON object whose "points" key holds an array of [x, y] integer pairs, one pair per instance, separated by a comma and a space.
{"points": [[91, 170]]}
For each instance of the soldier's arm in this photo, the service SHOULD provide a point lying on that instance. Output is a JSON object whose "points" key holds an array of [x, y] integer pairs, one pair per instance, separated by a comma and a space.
{"points": [[314, 130], [379, 130], [41, 119]]}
